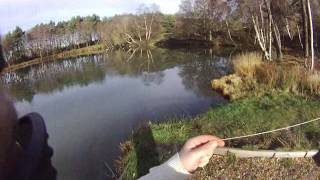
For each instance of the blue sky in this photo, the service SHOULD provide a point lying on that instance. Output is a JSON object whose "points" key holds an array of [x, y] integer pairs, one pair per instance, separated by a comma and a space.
{"points": [[27, 13]]}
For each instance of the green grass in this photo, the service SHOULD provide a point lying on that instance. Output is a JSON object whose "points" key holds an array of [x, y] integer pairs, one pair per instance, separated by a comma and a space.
{"points": [[153, 144]]}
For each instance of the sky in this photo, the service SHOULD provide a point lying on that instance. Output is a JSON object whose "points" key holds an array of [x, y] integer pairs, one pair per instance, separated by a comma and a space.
{"points": [[27, 13]]}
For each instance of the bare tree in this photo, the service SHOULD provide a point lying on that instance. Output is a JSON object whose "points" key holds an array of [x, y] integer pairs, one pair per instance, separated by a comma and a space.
{"points": [[263, 33], [299, 36], [311, 34], [305, 28], [149, 15]]}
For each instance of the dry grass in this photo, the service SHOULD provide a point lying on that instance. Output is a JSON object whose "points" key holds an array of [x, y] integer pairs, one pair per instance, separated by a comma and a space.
{"points": [[265, 74], [312, 82], [291, 78], [230, 86], [245, 64], [275, 76], [259, 168], [234, 86], [252, 75]]}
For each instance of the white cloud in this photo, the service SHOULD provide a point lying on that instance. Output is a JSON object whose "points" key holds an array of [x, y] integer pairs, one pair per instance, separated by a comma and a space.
{"points": [[27, 13], [4, 2]]}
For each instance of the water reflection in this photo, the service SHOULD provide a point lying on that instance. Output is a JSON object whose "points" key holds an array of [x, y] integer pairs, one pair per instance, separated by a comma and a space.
{"points": [[197, 75], [197, 70], [47, 78], [90, 104]]}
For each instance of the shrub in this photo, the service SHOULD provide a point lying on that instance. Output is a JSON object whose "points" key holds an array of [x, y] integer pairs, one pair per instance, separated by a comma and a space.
{"points": [[290, 77], [312, 82], [245, 64], [252, 75], [267, 75], [276, 76], [230, 86]]}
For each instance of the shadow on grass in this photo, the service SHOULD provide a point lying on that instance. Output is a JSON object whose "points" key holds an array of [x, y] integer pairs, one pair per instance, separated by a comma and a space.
{"points": [[146, 150]]}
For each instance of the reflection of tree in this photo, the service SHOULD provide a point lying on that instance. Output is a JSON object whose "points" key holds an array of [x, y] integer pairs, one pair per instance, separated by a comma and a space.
{"points": [[46, 78], [197, 75], [147, 61], [22, 92], [149, 78], [197, 70], [138, 61]]}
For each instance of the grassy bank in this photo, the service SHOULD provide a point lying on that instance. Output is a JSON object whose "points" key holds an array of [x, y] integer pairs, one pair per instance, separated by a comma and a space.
{"points": [[153, 144], [90, 50]]}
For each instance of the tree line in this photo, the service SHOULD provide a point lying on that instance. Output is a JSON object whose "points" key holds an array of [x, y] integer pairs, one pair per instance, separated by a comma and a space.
{"points": [[268, 25], [271, 23], [46, 39]]}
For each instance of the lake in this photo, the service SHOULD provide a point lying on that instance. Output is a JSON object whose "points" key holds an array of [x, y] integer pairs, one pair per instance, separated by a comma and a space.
{"points": [[91, 104]]}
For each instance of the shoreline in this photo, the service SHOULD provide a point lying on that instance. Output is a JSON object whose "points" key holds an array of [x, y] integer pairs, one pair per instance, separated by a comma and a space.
{"points": [[90, 50], [166, 43]]}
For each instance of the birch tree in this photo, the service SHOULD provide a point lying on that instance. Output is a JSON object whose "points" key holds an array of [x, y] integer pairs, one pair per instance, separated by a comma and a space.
{"points": [[263, 31], [305, 28], [308, 32], [311, 34]]}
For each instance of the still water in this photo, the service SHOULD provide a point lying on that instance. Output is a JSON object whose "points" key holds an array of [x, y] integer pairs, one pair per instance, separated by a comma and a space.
{"points": [[91, 104]]}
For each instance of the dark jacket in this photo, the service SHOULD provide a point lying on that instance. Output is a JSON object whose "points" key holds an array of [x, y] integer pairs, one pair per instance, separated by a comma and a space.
{"points": [[35, 162]]}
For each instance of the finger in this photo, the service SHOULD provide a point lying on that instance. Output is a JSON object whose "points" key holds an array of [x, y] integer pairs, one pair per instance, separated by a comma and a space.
{"points": [[204, 161], [221, 143], [206, 149], [199, 140]]}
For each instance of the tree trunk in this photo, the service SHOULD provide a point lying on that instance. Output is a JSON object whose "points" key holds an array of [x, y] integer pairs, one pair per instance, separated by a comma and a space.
{"points": [[299, 35], [229, 33], [288, 29], [139, 35], [277, 37], [305, 28], [40, 54], [260, 37], [150, 28], [311, 35], [270, 27], [146, 28], [138, 31]]}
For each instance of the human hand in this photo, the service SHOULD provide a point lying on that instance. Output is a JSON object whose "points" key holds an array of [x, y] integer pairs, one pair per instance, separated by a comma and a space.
{"points": [[197, 151]]}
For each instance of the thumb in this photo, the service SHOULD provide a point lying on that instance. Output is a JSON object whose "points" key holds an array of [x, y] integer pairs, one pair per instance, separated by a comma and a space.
{"points": [[206, 149]]}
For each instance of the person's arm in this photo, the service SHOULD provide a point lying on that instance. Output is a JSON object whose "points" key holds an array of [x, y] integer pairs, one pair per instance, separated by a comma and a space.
{"points": [[170, 170], [194, 154]]}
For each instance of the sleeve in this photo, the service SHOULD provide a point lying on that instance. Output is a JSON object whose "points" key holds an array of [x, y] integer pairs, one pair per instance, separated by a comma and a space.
{"points": [[170, 170]]}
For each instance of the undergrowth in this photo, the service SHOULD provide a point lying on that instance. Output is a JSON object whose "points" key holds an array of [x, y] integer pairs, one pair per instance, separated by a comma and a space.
{"points": [[259, 77]]}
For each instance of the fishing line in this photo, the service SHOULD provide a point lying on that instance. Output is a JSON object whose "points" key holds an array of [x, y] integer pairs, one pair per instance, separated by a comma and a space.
{"points": [[271, 131]]}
